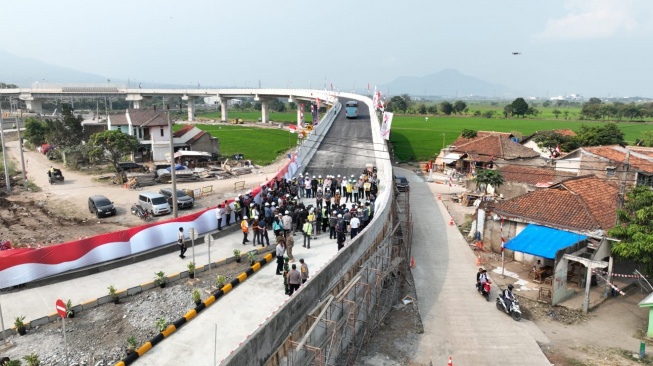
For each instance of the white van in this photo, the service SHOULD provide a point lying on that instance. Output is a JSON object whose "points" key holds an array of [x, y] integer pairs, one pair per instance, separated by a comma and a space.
{"points": [[154, 203]]}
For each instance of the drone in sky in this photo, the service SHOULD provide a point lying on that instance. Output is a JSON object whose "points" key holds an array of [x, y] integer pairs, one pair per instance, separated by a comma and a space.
{"points": [[516, 53]]}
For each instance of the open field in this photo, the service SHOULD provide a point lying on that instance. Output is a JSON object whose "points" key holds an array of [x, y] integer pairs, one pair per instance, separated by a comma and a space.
{"points": [[255, 115], [414, 139], [261, 145]]}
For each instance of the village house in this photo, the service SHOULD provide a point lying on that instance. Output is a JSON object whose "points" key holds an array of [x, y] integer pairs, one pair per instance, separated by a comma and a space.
{"points": [[529, 142], [483, 151], [522, 179], [151, 129], [609, 163], [564, 226]]}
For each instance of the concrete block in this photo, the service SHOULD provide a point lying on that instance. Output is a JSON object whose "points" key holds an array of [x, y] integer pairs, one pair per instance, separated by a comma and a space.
{"points": [[40, 321], [53, 317], [134, 290], [104, 300], [89, 304], [147, 286], [77, 308], [176, 276]]}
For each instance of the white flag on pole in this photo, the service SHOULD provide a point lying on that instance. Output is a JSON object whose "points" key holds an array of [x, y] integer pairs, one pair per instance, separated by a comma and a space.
{"points": [[385, 126]]}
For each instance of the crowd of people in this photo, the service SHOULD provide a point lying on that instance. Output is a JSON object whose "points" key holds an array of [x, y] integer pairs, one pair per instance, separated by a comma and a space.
{"points": [[306, 205]]}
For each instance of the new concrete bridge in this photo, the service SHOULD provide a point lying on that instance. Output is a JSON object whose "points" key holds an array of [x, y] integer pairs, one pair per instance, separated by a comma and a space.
{"points": [[34, 97]]}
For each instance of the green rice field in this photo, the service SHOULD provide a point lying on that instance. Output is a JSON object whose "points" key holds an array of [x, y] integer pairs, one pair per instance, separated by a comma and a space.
{"points": [[253, 116], [260, 145], [415, 139]]}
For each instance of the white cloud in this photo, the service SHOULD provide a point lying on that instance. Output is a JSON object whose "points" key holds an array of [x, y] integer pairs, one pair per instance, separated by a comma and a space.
{"points": [[594, 19]]}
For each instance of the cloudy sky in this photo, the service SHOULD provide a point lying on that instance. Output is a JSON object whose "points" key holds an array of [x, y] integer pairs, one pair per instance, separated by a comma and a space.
{"points": [[592, 47]]}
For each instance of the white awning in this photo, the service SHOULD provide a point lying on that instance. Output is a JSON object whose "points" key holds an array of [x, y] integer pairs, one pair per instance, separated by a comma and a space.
{"points": [[451, 157]]}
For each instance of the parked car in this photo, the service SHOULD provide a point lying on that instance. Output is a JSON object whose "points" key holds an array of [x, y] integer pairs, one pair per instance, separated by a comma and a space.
{"points": [[154, 203], [183, 200], [101, 206], [401, 183]]}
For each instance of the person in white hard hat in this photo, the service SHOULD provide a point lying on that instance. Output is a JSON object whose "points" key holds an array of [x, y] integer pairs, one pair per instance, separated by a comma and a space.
{"points": [[307, 186], [300, 185], [313, 186]]}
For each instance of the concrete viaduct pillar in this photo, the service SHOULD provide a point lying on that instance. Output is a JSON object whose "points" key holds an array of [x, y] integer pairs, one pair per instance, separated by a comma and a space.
{"points": [[137, 99], [191, 107], [34, 105], [264, 111], [223, 109]]}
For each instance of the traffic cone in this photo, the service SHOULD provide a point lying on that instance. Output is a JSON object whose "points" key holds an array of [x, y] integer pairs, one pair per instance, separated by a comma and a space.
{"points": [[450, 363], [439, 197], [451, 221], [479, 245], [478, 261], [412, 262]]}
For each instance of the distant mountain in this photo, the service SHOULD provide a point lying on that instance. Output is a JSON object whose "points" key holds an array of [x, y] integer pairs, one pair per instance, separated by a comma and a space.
{"points": [[446, 83], [24, 71]]}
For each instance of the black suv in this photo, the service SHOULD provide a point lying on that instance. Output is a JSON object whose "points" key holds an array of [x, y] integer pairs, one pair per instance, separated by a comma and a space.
{"points": [[101, 206], [401, 183], [183, 200]]}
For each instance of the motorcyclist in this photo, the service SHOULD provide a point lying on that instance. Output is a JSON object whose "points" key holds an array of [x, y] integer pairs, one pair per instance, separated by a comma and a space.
{"points": [[482, 279], [508, 297], [478, 278]]}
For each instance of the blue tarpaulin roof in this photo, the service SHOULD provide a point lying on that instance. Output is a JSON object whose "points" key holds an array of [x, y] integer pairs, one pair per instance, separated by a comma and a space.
{"points": [[543, 241]]}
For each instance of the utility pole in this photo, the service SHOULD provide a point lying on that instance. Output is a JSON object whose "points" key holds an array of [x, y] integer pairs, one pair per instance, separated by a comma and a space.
{"points": [[622, 186], [4, 152], [20, 146], [173, 175]]}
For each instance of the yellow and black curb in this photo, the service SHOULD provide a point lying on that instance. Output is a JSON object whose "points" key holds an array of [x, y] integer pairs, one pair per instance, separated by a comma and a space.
{"points": [[140, 351]]}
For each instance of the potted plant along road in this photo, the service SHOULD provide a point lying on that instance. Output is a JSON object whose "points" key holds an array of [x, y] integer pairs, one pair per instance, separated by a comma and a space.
{"points": [[251, 257], [131, 345], [220, 280], [161, 279], [12, 363], [191, 269], [114, 294], [20, 326], [237, 255], [197, 297], [161, 324], [70, 313]]}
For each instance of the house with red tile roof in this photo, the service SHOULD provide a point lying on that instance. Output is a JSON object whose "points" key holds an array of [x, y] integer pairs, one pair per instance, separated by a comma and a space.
{"points": [[521, 179], [563, 225], [151, 129], [191, 138], [486, 149], [529, 142], [609, 163]]}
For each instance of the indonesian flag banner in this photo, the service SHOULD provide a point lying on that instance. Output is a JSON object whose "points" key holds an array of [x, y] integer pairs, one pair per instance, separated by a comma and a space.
{"points": [[300, 123], [375, 101], [385, 126]]}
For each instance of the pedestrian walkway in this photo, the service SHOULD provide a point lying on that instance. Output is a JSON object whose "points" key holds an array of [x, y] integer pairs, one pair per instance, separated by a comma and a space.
{"points": [[457, 321], [236, 315]]}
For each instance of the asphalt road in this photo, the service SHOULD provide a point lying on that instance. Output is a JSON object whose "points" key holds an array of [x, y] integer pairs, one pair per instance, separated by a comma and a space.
{"points": [[346, 148], [458, 322]]}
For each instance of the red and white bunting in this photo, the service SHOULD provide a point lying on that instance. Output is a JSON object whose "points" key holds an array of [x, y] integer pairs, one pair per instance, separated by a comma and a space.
{"points": [[609, 284], [292, 128]]}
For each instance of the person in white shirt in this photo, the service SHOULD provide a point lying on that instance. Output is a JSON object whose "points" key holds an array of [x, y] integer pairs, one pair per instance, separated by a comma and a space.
{"points": [[355, 224], [218, 215]]}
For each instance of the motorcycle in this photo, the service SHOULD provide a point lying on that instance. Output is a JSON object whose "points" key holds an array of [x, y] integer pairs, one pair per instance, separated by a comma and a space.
{"points": [[514, 310], [140, 212], [484, 289]]}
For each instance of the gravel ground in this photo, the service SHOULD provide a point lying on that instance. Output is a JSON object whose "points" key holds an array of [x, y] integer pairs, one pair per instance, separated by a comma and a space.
{"points": [[98, 336]]}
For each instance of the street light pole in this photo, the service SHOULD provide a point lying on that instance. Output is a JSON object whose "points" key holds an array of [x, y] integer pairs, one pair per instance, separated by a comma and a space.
{"points": [[173, 175], [20, 146]]}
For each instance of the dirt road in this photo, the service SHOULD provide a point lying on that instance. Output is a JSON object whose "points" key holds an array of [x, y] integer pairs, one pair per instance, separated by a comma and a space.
{"points": [[60, 212]]}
